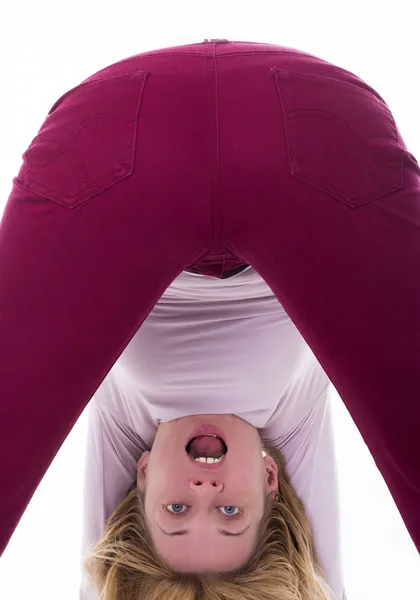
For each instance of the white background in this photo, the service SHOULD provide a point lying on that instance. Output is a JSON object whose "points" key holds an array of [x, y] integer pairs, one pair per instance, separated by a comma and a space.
{"points": [[47, 48]]}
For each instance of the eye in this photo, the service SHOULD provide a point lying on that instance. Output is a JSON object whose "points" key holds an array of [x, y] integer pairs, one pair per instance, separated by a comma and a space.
{"points": [[230, 515]]}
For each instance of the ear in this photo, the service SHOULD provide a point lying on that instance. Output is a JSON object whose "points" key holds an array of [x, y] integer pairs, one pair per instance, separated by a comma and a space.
{"points": [[142, 471], [271, 475]]}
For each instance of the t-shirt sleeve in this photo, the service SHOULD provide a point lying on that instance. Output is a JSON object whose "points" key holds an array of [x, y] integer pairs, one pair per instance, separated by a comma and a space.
{"points": [[111, 457], [309, 453]]}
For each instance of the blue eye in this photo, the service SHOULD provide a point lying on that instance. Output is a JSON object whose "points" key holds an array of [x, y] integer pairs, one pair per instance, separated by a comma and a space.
{"points": [[230, 515], [178, 505]]}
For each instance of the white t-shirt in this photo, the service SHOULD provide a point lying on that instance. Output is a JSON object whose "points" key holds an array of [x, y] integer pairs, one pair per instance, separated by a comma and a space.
{"points": [[216, 346]]}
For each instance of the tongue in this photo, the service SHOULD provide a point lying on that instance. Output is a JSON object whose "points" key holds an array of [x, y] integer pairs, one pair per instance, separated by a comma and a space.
{"points": [[207, 446]]}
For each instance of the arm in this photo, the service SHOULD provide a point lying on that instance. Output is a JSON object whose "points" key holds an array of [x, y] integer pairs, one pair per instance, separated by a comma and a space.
{"points": [[311, 465], [112, 454]]}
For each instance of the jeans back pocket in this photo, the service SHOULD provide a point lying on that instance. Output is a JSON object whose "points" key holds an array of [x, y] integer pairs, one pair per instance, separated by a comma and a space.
{"points": [[87, 141], [340, 137]]}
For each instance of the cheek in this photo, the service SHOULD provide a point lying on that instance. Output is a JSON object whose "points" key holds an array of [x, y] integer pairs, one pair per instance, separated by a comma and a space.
{"points": [[248, 477], [166, 474]]}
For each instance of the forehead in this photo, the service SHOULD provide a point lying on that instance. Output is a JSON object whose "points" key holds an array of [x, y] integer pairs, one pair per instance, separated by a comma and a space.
{"points": [[204, 551]]}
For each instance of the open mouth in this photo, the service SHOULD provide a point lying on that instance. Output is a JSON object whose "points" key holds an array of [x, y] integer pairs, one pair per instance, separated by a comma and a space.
{"points": [[208, 449]]}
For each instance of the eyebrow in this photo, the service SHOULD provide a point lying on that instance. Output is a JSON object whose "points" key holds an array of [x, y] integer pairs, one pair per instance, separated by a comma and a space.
{"points": [[186, 531]]}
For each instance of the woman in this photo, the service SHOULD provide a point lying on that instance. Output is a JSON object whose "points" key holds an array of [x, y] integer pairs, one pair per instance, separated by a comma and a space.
{"points": [[204, 158], [211, 343]]}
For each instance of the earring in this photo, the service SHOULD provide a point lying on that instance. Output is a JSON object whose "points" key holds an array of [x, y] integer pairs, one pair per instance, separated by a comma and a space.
{"points": [[264, 453]]}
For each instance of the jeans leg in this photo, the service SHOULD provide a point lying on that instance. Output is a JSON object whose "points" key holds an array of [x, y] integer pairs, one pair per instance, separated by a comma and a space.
{"points": [[330, 219]]}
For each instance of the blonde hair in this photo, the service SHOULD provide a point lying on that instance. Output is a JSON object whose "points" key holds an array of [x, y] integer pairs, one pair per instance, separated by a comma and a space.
{"points": [[125, 566]]}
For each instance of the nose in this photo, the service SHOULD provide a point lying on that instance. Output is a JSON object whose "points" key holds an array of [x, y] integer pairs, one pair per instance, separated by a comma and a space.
{"points": [[206, 485]]}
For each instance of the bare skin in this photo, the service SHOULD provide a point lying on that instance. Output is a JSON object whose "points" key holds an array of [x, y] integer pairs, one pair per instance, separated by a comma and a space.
{"points": [[183, 495]]}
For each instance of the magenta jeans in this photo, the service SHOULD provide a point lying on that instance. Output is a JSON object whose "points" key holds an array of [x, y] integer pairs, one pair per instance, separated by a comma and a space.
{"points": [[206, 157]]}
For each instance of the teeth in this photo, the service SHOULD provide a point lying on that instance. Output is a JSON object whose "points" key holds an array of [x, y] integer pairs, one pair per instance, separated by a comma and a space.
{"points": [[202, 459], [210, 461]]}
